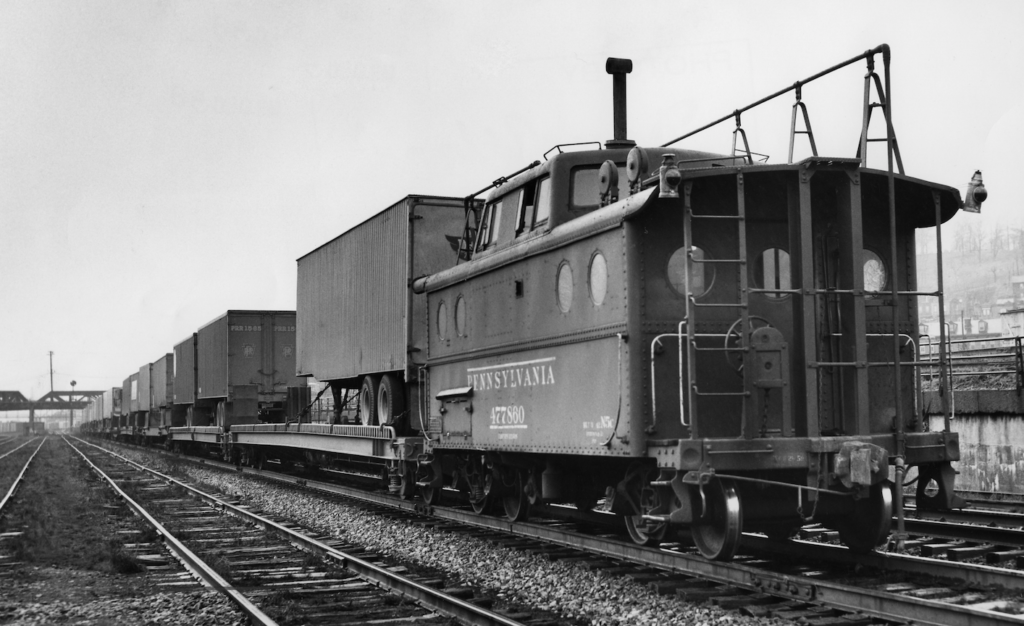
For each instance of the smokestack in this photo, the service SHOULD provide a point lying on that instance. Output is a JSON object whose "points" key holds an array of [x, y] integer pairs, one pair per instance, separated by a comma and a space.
{"points": [[618, 68]]}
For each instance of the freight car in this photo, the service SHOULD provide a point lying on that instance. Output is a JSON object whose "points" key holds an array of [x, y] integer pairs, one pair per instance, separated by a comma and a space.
{"points": [[706, 342], [127, 424], [233, 372], [14, 428]]}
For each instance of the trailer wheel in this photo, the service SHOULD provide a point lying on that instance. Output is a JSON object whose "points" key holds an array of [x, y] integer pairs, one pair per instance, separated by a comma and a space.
{"points": [[390, 400], [368, 401]]}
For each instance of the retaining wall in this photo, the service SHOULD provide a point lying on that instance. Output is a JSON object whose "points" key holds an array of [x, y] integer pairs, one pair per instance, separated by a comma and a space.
{"points": [[991, 428]]}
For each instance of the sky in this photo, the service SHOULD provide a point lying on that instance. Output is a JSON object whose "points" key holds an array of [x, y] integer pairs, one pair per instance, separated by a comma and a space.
{"points": [[164, 161]]}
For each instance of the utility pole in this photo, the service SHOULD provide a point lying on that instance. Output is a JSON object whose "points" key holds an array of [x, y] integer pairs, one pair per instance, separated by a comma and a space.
{"points": [[51, 370], [71, 418]]}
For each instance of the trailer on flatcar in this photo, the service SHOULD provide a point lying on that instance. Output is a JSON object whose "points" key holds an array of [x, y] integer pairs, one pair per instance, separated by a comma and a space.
{"points": [[232, 374]]}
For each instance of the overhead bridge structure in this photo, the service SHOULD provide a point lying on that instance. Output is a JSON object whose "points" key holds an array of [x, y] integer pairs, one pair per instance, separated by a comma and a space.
{"points": [[52, 401]]}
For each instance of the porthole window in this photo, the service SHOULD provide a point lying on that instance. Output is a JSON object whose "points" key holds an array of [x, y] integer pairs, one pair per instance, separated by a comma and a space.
{"points": [[564, 287], [460, 316], [702, 275], [598, 278], [442, 321], [875, 275], [772, 271]]}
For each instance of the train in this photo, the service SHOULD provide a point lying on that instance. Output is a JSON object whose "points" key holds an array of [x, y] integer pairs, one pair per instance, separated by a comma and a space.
{"points": [[22, 428], [699, 342]]}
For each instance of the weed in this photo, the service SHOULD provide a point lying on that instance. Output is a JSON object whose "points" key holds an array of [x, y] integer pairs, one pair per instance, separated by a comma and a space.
{"points": [[149, 534], [122, 561], [220, 564], [312, 561], [279, 598]]}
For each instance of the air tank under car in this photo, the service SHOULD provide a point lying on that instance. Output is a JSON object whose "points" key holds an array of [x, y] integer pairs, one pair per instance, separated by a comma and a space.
{"points": [[704, 341]]}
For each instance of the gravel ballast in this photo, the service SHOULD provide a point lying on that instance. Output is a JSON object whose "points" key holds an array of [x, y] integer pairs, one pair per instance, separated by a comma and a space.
{"points": [[65, 557], [197, 608], [563, 588]]}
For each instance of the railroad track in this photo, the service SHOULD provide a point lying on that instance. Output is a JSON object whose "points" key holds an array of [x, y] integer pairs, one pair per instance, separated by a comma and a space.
{"points": [[798, 579], [19, 476], [15, 449], [278, 563]]}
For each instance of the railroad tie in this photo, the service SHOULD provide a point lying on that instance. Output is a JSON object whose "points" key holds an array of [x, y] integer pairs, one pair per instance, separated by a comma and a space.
{"points": [[959, 554], [938, 549]]}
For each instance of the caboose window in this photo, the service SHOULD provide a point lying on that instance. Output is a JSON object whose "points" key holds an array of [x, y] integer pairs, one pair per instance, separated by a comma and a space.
{"points": [[875, 275], [442, 321], [702, 275], [484, 236], [598, 278], [586, 193], [460, 316], [542, 208], [524, 217], [498, 222], [565, 287], [773, 272]]}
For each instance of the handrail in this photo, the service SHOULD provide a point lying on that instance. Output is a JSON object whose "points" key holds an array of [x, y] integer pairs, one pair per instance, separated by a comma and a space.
{"points": [[883, 49]]}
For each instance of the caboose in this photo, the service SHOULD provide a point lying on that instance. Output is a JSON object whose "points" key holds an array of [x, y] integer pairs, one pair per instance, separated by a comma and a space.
{"points": [[707, 342]]}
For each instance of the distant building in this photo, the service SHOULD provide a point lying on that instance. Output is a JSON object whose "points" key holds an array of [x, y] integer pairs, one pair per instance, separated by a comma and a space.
{"points": [[1018, 288], [1012, 322]]}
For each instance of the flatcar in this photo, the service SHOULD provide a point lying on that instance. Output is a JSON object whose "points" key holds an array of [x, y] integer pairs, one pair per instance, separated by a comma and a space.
{"points": [[702, 342]]}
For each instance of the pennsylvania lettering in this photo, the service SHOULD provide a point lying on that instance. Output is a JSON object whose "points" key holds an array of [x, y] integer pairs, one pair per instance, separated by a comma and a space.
{"points": [[512, 377]]}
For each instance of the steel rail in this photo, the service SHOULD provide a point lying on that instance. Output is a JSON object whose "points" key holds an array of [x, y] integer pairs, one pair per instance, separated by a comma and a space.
{"points": [[193, 563], [969, 573], [989, 502], [9, 452], [423, 595], [21, 474], [1002, 519], [945, 529], [865, 600]]}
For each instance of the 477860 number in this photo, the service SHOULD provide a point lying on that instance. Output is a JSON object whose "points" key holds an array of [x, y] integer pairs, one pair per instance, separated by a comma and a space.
{"points": [[508, 415]]}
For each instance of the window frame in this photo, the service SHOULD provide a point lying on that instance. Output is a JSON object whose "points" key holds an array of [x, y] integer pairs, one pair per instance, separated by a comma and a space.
{"points": [[759, 271]]}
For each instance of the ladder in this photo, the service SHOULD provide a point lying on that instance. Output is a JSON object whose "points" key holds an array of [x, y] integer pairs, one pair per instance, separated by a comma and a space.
{"points": [[472, 224], [688, 413]]}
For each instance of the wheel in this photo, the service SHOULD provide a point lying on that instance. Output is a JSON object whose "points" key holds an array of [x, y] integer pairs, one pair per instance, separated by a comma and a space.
{"points": [[867, 526], [428, 474], [431, 495], [718, 533], [733, 336], [406, 480], [645, 533], [390, 400], [480, 492], [368, 401], [517, 505]]}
